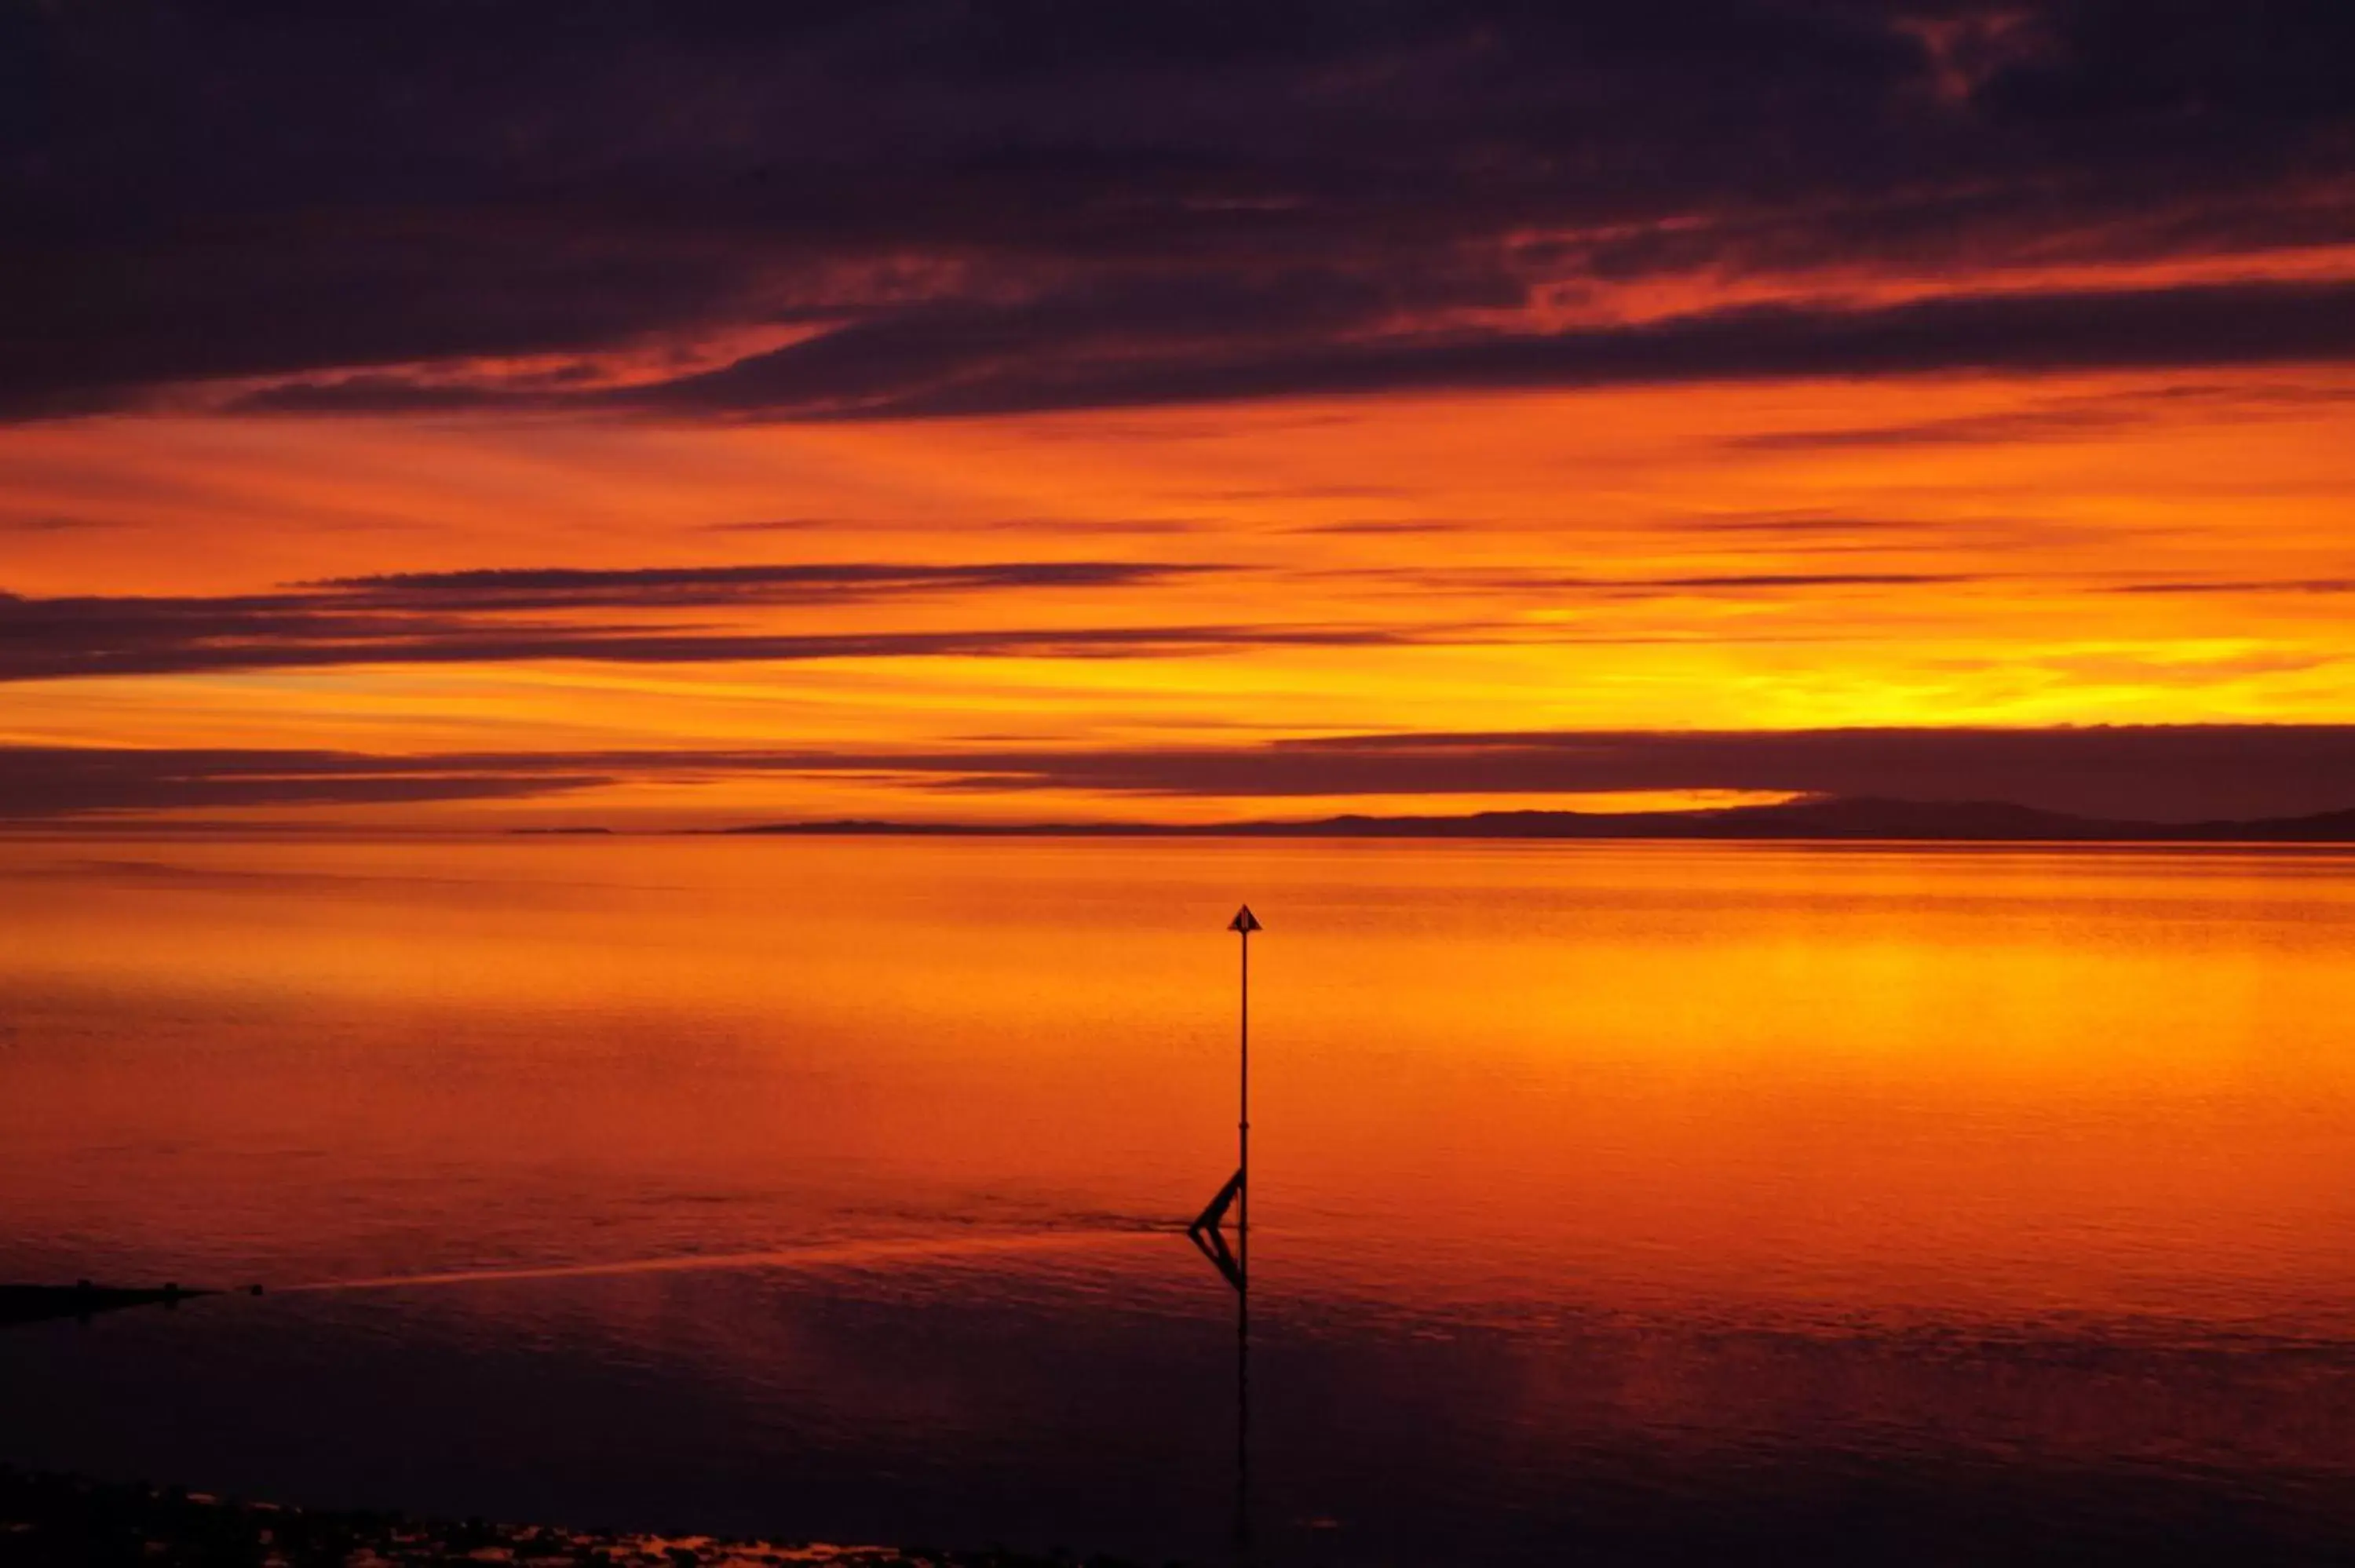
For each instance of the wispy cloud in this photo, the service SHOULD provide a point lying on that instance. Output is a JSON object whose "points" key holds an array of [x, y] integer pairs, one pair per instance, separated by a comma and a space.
{"points": [[2038, 424], [2254, 586], [550, 587], [1377, 527], [1079, 526], [121, 638], [1547, 584], [502, 614], [56, 524], [988, 359], [41, 781]]}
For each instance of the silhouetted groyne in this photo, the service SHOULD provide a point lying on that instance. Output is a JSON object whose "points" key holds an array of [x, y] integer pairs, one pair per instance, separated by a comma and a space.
{"points": [[42, 1303]]}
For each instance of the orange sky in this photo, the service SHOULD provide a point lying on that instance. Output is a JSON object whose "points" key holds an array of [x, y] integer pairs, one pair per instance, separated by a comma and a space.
{"points": [[1959, 550], [682, 415]]}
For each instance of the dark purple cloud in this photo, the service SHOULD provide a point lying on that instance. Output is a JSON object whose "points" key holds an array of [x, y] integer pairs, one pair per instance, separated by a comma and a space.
{"points": [[1968, 429], [1031, 358], [1426, 581], [38, 781], [1045, 203], [475, 617], [558, 587], [2059, 419], [457, 617], [668, 615], [2258, 585], [2161, 773]]}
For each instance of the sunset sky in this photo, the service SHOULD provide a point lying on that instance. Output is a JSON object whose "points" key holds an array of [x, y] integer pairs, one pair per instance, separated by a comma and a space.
{"points": [[669, 415]]}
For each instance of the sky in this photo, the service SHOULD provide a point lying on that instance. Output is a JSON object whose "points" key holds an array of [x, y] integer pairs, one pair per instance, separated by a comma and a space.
{"points": [[556, 413]]}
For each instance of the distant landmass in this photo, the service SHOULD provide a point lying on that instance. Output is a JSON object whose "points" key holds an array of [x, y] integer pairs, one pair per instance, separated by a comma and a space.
{"points": [[1957, 822]]}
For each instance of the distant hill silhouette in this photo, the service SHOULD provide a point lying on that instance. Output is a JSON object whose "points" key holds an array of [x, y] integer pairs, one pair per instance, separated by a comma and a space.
{"points": [[1858, 818]]}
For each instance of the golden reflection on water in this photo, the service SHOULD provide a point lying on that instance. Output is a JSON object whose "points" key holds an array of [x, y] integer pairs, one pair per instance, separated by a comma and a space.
{"points": [[1887, 1084]]}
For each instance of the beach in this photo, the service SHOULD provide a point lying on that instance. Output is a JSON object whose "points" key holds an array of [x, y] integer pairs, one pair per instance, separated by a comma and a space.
{"points": [[66, 1520]]}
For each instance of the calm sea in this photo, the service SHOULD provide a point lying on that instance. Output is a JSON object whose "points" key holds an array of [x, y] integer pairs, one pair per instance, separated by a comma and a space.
{"points": [[1625, 1201]]}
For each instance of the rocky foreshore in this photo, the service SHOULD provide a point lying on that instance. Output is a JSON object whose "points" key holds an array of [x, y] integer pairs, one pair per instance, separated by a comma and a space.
{"points": [[60, 1520]]}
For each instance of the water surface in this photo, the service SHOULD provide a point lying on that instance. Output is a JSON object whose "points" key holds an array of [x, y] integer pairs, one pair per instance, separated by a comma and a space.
{"points": [[1645, 1199]]}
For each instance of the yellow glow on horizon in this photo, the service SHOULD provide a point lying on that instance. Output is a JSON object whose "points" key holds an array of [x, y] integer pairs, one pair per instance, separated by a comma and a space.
{"points": [[1962, 550]]}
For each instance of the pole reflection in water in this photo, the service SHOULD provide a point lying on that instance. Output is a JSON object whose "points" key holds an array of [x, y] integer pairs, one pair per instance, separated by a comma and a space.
{"points": [[1243, 1421], [1208, 1235]]}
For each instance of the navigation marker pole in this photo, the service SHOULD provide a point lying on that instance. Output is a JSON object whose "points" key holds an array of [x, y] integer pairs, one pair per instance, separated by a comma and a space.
{"points": [[1207, 1233]]}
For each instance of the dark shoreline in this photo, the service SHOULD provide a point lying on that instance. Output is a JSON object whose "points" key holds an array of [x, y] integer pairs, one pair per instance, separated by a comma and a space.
{"points": [[70, 1522], [1802, 821]]}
